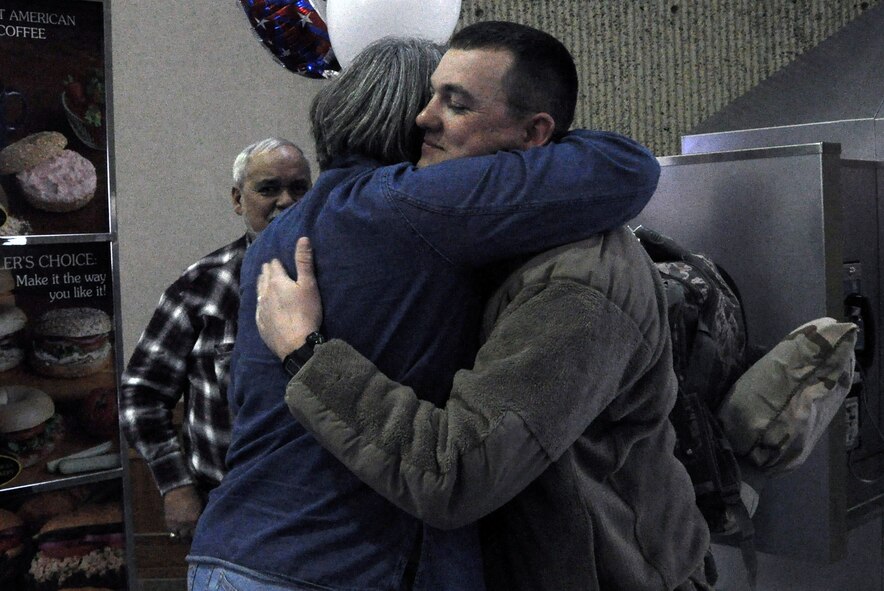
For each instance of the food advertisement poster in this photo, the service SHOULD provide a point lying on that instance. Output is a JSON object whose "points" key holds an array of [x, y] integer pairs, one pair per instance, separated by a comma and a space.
{"points": [[53, 118], [58, 399], [71, 538]]}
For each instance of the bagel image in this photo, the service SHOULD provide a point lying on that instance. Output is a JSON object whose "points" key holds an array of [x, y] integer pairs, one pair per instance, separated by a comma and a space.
{"points": [[31, 151], [12, 325], [7, 285], [4, 207], [29, 426], [51, 177], [71, 342]]}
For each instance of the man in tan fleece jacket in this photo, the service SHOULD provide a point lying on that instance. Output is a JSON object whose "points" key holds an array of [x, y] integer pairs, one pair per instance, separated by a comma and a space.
{"points": [[558, 438]]}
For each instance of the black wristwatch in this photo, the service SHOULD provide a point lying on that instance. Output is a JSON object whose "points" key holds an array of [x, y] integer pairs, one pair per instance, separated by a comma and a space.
{"points": [[295, 360]]}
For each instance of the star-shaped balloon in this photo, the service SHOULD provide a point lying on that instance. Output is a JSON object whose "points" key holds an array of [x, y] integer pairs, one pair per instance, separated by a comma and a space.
{"points": [[295, 33]]}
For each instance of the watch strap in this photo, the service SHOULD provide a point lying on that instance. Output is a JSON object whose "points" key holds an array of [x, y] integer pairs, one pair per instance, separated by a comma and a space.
{"points": [[294, 361]]}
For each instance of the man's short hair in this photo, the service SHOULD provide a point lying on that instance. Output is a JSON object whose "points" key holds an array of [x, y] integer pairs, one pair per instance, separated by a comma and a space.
{"points": [[543, 78], [241, 162], [370, 108]]}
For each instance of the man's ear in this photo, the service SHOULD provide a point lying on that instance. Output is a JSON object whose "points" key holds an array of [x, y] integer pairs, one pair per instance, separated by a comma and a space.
{"points": [[539, 130], [236, 197]]}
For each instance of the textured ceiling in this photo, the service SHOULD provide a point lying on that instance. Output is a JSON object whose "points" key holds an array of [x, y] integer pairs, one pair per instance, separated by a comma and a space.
{"points": [[655, 70]]}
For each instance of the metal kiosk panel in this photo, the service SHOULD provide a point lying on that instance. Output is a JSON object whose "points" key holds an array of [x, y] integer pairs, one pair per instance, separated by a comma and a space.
{"points": [[772, 218], [861, 184]]}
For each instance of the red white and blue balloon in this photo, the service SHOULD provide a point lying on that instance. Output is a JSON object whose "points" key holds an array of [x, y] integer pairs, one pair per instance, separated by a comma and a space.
{"points": [[295, 33]]}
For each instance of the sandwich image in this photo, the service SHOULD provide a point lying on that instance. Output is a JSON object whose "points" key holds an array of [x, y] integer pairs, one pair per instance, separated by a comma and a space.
{"points": [[13, 548], [29, 425], [70, 342], [12, 326], [85, 548], [50, 177]]}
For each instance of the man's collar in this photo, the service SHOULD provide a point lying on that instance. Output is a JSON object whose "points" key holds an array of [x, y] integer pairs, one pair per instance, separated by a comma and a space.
{"points": [[348, 160]]}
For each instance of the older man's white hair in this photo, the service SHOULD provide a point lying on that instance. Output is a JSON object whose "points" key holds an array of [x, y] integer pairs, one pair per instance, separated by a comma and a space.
{"points": [[241, 163]]}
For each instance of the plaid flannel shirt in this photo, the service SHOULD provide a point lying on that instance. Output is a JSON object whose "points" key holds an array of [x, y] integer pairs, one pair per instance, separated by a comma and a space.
{"points": [[185, 352]]}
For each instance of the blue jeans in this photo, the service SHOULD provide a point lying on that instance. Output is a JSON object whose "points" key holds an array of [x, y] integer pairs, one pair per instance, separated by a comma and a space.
{"points": [[210, 577]]}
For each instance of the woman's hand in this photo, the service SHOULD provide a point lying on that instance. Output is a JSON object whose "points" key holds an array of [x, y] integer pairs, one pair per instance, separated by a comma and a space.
{"points": [[288, 310]]}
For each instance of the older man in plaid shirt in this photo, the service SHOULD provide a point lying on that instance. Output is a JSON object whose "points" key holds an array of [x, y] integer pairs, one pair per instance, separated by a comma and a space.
{"points": [[185, 350]]}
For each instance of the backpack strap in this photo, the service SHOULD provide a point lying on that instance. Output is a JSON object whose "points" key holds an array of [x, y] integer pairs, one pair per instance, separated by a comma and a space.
{"points": [[658, 246], [713, 467], [704, 371]]}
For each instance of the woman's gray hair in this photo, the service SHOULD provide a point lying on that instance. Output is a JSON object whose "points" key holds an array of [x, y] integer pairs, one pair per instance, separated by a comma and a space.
{"points": [[370, 108], [241, 162]]}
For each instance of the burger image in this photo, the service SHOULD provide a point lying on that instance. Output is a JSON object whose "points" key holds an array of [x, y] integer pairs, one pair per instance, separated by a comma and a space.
{"points": [[71, 342], [29, 426], [12, 325], [13, 546], [85, 548], [51, 177]]}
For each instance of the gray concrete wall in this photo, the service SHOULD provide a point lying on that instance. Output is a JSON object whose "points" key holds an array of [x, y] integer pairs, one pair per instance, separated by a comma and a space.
{"points": [[192, 87]]}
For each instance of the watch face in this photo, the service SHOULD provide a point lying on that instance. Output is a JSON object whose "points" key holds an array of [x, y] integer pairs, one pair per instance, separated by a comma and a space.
{"points": [[315, 338]]}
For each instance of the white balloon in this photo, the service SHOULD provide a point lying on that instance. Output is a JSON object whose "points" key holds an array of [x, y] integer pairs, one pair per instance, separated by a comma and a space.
{"points": [[353, 24]]}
